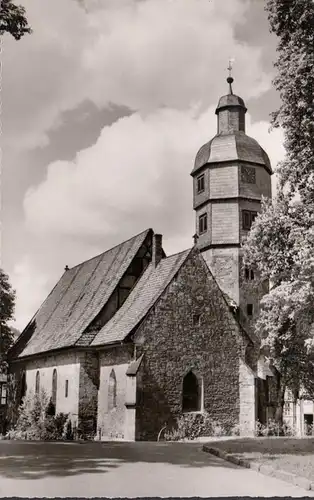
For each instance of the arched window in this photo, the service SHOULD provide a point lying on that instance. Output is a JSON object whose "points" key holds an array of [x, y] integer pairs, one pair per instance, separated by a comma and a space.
{"points": [[37, 384], [191, 397], [54, 388], [23, 386], [112, 391]]}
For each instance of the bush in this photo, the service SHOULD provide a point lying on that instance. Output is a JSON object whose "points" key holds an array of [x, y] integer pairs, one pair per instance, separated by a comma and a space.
{"points": [[36, 420], [273, 429], [288, 430], [68, 432], [194, 425], [51, 409], [235, 430]]}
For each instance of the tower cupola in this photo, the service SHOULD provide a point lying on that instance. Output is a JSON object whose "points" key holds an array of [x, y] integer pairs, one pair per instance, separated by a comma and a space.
{"points": [[230, 112]]}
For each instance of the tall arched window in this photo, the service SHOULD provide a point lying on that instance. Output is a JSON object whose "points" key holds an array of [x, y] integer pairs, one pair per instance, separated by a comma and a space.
{"points": [[191, 397], [37, 384], [112, 391], [54, 388]]}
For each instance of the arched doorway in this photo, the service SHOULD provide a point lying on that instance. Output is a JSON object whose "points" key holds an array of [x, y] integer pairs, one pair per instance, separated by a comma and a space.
{"points": [[191, 393]]}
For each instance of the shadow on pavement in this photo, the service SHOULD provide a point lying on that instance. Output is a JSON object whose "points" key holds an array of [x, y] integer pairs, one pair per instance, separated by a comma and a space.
{"points": [[37, 460]]}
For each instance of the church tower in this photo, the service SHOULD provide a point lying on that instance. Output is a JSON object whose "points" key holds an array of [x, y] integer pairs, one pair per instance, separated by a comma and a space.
{"points": [[230, 175]]}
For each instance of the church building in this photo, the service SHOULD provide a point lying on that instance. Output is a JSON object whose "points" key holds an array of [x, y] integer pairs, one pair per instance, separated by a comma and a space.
{"points": [[131, 339]]}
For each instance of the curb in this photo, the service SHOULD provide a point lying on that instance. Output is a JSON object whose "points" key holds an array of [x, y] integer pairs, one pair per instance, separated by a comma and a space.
{"points": [[267, 470]]}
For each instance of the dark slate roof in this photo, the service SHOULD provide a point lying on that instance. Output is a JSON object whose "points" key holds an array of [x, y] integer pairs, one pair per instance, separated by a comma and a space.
{"points": [[143, 296], [78, 297], [229, 147], [230, 100]]}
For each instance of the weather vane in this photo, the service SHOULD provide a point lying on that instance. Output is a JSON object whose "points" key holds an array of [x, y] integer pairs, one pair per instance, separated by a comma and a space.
{"points": [[230, 79]]}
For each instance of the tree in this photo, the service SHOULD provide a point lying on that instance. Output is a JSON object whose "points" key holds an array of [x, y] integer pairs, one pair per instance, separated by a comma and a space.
{"points": [[13, 19], [281, 242], [292, 22], [7, 304]]}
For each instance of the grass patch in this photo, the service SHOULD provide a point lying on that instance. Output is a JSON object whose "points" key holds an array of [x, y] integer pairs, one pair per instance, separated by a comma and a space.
{"points": [[289, 454]]}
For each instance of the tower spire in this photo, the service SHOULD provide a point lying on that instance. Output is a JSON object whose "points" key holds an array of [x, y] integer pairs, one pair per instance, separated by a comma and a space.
{"points": [[230, 79]]}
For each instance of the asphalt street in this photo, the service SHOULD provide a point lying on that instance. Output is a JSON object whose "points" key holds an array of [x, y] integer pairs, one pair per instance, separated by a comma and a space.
{"points": [[36, 469]]}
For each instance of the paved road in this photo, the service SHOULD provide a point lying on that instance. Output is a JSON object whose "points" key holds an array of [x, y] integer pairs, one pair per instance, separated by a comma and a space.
{"points": [[127, 470]]}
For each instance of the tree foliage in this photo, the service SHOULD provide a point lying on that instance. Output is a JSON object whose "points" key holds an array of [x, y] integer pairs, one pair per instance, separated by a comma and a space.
{"points": [[293, 23], [281, 242], [36, 421], [7, 304], [13, 19]]}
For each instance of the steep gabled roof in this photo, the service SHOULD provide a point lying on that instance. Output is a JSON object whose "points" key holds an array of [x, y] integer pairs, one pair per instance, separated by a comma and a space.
{"points": [[143, 296], [78, 297]]}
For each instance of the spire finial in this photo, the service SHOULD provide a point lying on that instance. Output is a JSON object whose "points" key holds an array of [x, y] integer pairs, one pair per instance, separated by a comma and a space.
{"points": [[230, 79]]}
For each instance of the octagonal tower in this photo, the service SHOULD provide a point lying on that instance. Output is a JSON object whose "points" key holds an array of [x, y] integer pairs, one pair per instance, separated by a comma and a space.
{"points": [[231, 174]]}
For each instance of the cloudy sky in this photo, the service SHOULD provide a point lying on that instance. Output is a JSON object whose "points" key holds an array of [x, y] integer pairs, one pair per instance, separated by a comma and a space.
{"points": [[104, 108]]}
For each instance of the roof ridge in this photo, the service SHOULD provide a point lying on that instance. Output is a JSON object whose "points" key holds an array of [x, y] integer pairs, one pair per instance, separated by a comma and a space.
{"points": [[177, 253], [112, 248]]}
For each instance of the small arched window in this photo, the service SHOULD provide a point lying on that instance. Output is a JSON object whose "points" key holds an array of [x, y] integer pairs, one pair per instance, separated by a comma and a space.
{"points": [[112, 391], [191, 397], [37, 384], [54, 388]]}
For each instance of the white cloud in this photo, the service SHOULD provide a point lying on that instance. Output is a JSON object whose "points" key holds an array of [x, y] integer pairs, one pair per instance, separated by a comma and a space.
{"points": [[31, 289], [135, 176], [155, 53]]}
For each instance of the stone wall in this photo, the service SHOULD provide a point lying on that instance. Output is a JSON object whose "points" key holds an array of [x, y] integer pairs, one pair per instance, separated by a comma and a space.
{"points": [[224, 264], [251, 291], [247, 399], [68, 369], [88, 394], [115, 423], [173, 344]]}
